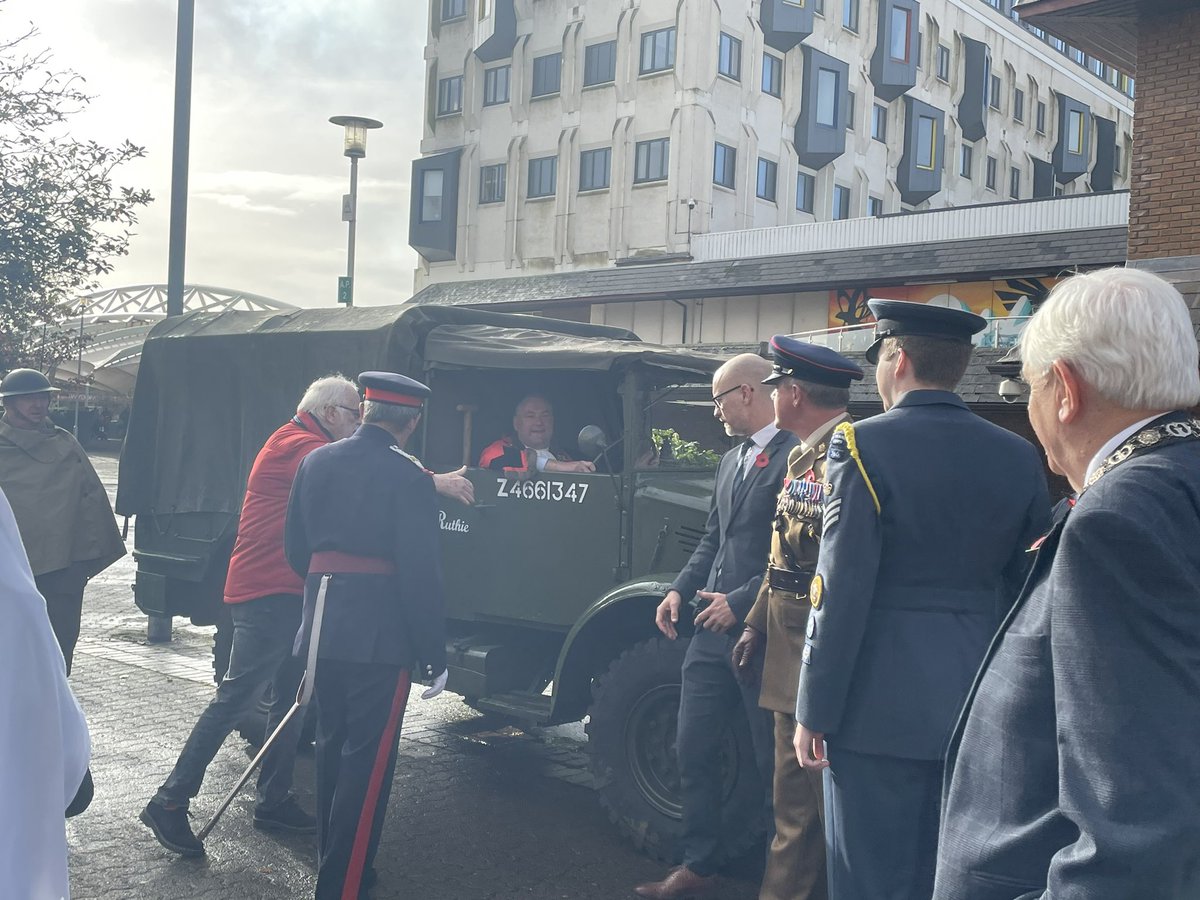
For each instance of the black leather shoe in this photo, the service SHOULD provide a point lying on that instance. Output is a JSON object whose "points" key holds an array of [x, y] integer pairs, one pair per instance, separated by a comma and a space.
{"points": [[171, 828], [287, 816]]}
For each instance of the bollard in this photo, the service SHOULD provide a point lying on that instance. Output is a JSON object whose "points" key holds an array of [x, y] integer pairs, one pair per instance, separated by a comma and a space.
{"points": [[158, 629]]}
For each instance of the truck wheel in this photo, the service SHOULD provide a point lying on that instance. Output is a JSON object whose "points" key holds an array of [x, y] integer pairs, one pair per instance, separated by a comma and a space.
{"points": [[631, 740]]}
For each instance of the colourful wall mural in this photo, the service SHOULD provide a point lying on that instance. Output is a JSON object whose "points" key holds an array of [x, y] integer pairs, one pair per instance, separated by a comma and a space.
{"points": [[1011, 298]]}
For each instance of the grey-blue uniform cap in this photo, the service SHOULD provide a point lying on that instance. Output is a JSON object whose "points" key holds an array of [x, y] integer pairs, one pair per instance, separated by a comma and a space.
{"points": [[388, 387], [792, 358], [894, 318]]}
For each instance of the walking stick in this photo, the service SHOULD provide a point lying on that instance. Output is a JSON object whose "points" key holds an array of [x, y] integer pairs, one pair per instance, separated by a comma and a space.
{"points": [[303, 696]]}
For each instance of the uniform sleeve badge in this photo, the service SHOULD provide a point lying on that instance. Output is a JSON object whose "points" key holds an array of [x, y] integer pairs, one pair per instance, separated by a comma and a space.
{"points": [[837, 447], [816, 592]]}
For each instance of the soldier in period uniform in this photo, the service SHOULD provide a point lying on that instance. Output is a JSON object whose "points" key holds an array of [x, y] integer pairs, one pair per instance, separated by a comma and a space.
{"points": [[362, 526], [811, 390], [928, 511]]}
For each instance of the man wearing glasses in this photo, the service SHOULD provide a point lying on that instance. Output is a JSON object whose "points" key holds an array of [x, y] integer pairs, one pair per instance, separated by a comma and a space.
{"points": [[724, 573], [265, 597]]}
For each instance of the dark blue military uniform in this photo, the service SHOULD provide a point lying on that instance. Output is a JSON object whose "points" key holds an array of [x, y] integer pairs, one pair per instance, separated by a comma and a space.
{"points": [[363, 519], [927, 515]]}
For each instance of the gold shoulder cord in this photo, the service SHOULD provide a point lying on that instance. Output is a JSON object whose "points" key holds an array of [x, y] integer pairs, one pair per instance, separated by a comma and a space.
{"points": [[846, 429]]}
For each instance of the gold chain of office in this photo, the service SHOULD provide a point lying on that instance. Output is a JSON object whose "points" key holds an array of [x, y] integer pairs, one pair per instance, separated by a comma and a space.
{"points": [[1146, 439]]}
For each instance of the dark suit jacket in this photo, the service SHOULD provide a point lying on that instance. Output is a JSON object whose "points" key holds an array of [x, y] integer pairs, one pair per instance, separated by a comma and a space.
{"points": [[1074, 770], [362, 496], [732, 555], [915, 587]]}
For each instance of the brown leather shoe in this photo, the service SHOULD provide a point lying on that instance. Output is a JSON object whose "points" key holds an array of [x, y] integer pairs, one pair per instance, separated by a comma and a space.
{"points": [[681, 883]]}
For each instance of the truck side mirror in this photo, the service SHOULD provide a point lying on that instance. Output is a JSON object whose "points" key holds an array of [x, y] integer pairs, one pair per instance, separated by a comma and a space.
{"points": [[592, 441]]}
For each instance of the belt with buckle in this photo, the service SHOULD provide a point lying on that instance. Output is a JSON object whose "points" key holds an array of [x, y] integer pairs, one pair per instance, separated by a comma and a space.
{"points": [[788, 580]]}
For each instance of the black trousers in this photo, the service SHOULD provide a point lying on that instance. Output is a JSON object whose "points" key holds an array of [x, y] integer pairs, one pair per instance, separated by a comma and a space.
{"points": [[711, 699], [63, 590], [360, 708], [881, 825]]}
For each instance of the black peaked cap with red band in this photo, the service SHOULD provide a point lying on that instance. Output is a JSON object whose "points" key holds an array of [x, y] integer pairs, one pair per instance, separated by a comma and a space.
{"points": [[895, 318], [793, 358], [388, 387]]}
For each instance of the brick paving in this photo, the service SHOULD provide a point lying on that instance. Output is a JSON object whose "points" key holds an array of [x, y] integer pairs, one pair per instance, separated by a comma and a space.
{"points": [[480, 809]]}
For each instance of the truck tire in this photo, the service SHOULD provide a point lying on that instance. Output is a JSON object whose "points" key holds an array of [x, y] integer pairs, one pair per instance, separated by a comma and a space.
{"points": [[631, 741]]}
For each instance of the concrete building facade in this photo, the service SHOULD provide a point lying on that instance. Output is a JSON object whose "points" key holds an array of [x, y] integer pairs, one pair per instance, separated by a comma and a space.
{"points": [[567, 135]]}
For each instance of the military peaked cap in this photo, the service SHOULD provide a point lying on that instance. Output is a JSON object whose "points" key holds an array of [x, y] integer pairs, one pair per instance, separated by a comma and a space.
{"points": [[894, 318], [388, 387], [793, 358]]}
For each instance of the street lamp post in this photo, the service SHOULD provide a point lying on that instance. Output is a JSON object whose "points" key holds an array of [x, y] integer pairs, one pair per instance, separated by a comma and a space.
{"points": [[355, 148]]}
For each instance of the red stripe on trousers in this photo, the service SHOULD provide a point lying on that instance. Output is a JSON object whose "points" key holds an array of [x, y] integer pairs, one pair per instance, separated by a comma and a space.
{"points": [[362, 835]]}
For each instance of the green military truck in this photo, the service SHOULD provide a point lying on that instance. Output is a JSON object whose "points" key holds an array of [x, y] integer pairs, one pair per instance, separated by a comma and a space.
{"points": [[551, 580]]}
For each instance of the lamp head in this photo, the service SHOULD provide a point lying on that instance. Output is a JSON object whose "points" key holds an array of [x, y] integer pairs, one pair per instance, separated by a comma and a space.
{"points": [[356, 133]]}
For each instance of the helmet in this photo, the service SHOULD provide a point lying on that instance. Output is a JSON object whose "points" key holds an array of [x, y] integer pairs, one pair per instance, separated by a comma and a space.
{"points": [[25, 381]]}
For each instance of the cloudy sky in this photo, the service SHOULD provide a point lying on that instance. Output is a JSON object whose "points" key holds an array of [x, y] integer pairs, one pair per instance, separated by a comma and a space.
{"points": [[267, 173]]}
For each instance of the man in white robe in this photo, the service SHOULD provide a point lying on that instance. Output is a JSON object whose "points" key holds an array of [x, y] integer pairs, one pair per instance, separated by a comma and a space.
{"points": [[44, 743]]}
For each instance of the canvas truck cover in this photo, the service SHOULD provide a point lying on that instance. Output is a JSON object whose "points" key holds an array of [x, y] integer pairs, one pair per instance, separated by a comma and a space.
{"points": [[242, 374]]}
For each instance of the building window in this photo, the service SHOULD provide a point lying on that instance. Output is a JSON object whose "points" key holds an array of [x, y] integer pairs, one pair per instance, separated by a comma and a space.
{"points": [[841, 202], [943, 62], [966, 165], [650, 160], [767, 176], [806, 186], [1014, 183], [658, 51], [1117, 159], [1018, 105], [772, 75], [819, 7], [874, 206], [990, 174], [1041, 117], [927, 132], [724, 165], [453, 9], [828, 84], [543, 173], [850, 14], [900, 27], [431, 195], [547, 75], [849, 110], [994, 91], [879, 122], [594, 166], [729, 57], [449, 98], [1075, 131], [495, 85], [1076, 54], [491, 183], [1058, 44], [600, 63]]}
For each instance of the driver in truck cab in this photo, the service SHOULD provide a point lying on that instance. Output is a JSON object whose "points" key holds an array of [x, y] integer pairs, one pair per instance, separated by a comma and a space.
{"points": [[528, 449]]}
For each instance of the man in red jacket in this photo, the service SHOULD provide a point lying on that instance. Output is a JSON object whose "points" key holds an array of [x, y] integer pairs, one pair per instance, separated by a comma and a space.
{"points": [[265, 598]]}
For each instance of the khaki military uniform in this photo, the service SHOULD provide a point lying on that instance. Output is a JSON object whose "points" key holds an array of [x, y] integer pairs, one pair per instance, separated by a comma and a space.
{"points": [[796, 862]]}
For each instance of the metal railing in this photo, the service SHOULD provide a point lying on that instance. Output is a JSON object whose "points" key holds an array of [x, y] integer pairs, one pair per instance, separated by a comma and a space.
{"points": [[1001, 331]]}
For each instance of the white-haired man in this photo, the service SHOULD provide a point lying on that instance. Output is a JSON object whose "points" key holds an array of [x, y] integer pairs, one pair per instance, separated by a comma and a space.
{"points": [[265, 597], [1073, 771]]}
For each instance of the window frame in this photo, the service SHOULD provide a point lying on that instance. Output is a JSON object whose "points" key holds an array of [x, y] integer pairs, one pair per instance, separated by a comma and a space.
{"points": [[590, 52], [587, 165], [490, 80], [1018, 109], [879, 122], [1014, 183], [539, 177], [766, 180], [669, 50], [907, 12], [425, 195], [445, 94], [499, 184], [943, 63], [809, 181], [539, 66], [835, 211], [772, 65], [648, 146], [995, 87], [1075, 132], [850, 15], [966, 162], [874, 206], [933, 140], [835, 100], [724, 165], [729, 56], [990, 167], [443, 18], [1040, 120]]}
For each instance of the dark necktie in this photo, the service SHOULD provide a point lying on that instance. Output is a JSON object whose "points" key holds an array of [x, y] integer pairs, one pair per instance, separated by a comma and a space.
{"points": [[740, 475]]}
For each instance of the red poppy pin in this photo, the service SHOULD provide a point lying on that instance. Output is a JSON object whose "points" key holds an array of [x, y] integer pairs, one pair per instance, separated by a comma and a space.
{"points": [[786, 482], [761, 460], [810, 475]]}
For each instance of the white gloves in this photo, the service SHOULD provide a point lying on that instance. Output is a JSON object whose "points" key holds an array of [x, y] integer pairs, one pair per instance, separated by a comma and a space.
{"points": [[439, 685]]}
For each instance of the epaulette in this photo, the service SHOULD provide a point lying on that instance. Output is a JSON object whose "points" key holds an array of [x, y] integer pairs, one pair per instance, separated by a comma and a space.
{"points": [[412, 459], [843, 444]]}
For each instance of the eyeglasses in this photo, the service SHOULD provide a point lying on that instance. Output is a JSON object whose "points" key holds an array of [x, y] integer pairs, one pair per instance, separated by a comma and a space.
{"points": [[718, 403], [353, 410]]}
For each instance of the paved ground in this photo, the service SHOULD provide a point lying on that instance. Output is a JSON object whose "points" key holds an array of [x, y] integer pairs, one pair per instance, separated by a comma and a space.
{"points": [[479, 809]]}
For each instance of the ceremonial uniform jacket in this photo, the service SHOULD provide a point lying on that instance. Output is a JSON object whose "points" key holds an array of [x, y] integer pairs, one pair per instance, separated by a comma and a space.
{"points": [[366, 497], [729, 558], [781, 614], [1073, 771], [928, 512]]}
